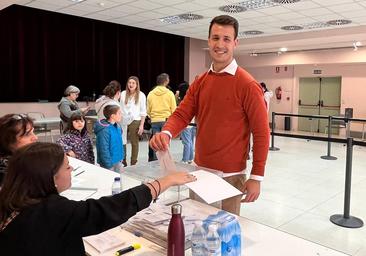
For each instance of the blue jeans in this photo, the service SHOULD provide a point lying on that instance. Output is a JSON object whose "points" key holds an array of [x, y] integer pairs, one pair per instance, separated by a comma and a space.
{"points": [[187, 137], [155, 128]]}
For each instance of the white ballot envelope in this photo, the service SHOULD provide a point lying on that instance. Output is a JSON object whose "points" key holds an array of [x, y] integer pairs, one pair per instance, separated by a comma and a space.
{"points": [[212, 188], [166, 161]]}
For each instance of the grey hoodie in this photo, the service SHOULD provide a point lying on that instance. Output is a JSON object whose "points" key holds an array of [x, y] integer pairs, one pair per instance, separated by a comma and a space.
{"points": [[101, 103]]}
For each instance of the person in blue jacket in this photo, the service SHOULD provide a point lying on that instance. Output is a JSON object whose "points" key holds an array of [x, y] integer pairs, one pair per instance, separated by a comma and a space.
{"points": [[109, 139]]}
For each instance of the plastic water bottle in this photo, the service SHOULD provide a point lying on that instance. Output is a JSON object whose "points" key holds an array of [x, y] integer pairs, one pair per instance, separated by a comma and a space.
{"points": [[198, 240], [213, 242], [116, 186], [176, 234]]}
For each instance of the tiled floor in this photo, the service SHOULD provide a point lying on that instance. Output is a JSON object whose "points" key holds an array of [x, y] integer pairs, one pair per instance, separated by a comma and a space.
{"points": [[301, 191]]}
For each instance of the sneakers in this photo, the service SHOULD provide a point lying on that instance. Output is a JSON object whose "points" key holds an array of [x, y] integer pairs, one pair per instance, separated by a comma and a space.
{"points": [[187, 162], [124, 162], [133, 162]]}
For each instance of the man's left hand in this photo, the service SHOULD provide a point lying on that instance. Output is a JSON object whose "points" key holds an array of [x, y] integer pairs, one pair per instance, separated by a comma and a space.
{"points": [[252, 189]]}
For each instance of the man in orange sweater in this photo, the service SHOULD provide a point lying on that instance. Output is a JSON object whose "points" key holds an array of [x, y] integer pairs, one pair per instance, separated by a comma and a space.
{"points": [[228, 105]]}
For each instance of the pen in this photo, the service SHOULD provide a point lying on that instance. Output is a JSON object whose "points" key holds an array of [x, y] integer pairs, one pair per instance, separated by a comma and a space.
{"points": [[127, 249], [78, 173]]}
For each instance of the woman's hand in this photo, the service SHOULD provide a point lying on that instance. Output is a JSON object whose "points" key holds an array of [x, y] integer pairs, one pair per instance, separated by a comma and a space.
{"points": [[179, 178], [140, 131], [71, 153]]}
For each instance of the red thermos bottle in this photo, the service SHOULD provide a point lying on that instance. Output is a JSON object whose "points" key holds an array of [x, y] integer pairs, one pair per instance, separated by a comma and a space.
{"points": [[176, 235]]}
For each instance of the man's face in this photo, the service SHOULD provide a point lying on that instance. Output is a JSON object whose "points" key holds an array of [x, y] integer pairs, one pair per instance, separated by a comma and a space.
{"points": [[221, 44]]}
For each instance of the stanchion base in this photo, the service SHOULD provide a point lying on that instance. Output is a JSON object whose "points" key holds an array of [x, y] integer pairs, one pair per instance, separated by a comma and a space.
{"points": [[273, 149], [351, 222], [328, 157]]}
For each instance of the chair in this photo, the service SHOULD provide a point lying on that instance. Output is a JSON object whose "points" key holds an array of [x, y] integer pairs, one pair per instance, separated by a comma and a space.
{"points": [[41, 127]]}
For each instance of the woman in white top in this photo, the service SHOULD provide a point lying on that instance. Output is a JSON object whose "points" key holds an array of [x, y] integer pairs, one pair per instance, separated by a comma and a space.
{"points": [[133, 105]]}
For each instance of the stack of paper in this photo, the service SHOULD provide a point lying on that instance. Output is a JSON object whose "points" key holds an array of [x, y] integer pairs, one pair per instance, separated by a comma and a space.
{"points": [[153, 222], [104, 241]]}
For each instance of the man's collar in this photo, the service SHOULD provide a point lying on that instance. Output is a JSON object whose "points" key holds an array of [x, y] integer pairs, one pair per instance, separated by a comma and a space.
{"points": [[230, 69]]}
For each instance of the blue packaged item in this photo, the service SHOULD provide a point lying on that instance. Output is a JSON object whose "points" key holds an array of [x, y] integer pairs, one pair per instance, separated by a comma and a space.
{"points": [[229, 231]]}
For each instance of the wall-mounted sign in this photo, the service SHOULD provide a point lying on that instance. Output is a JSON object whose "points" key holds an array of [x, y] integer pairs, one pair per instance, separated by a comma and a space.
{"points": [[317, 71]]}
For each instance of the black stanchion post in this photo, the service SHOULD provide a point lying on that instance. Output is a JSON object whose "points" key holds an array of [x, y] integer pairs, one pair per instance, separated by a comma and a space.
{"points": [[345, 220], [272, 147], [328, 156]]}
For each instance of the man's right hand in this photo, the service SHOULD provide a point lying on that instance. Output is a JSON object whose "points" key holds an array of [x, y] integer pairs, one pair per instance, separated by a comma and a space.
{"points": [[160, 141]]}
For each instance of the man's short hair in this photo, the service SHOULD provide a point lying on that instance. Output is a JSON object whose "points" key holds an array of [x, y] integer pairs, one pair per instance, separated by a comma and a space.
{"points": [[162, 78], [225, 20], [109, 110]]}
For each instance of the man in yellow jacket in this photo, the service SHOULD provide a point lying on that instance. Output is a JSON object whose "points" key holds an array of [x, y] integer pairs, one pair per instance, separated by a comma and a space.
{"points": [[160, 105]]}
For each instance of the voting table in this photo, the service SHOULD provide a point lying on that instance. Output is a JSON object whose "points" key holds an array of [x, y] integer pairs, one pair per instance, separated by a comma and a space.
{"points": [[91, 181]]}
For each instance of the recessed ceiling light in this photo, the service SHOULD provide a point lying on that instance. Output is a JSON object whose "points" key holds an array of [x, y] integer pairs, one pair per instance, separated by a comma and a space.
{"points": [[181, 18], [77, 1], [285, 1], [101, 4], [292, 27], [257, 4], [250, 33], [315, 25], [358, 43], [339, 22], [283, 49], [190, 16], [231, 8]]}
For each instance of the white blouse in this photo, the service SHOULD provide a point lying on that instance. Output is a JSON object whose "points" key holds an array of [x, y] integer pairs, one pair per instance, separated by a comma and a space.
{"points": [[136, 110]]}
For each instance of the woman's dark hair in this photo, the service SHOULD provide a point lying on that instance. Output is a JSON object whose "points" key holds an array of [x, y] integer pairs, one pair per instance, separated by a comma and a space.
{"points": [[225, 20], [30, 177], [12, 125], [264, 87], [182, 88], [112, 88], [76, 116], [109, 110]]}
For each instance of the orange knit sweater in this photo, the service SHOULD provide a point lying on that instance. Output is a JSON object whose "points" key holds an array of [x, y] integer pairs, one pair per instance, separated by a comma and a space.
{"points": [[227, 108]]}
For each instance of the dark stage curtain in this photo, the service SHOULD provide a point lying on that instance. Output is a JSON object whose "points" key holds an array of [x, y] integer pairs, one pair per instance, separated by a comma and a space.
{"points": [[42, 52]]}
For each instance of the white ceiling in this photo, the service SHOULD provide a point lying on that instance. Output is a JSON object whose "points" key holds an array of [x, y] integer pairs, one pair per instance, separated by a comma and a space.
{"points": [[307, 13]]}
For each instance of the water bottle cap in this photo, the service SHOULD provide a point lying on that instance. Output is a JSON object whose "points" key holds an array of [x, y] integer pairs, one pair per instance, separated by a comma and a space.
{"points": [[176, 209], [117, 178]]}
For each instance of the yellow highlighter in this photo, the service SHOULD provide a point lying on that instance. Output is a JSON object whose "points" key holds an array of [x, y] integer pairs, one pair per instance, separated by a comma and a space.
{"points": [[127, 249]]}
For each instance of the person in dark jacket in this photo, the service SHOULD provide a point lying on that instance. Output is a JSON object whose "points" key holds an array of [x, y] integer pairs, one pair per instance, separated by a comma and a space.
{"points": [[16, 130], [36, 220], [76, 141], [109, 139]]}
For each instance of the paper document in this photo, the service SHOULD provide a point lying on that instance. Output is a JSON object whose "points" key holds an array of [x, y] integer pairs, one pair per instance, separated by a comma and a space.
{"points": [[104, 241], [166, 161], [211, 188]]}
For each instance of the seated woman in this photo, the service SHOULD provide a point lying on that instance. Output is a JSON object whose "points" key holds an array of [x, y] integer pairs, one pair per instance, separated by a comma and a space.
{"points": [[16, 130], [36, 220], [76, 141], [68, 105]]}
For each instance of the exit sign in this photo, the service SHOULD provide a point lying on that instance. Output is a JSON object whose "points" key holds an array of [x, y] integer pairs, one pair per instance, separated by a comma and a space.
{"points": [[317, 71]]}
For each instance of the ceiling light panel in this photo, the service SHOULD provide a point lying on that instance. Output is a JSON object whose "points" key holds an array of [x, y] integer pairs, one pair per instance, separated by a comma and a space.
{"points": [[232, 8], [339, 22]]}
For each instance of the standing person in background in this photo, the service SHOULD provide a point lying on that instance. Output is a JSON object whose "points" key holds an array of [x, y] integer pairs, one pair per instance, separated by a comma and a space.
{"points": [[112, 93], [133, 103], [267, 95], [227, 104], [16, 131], [68, 105], [76, 141], [187, 135], [160, 105], [109, 139], [51, 224]]}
